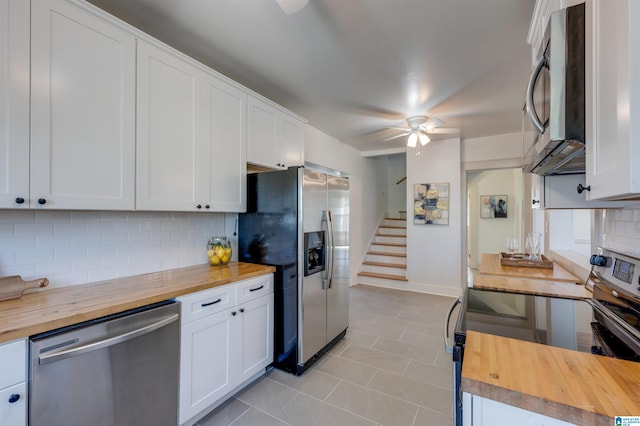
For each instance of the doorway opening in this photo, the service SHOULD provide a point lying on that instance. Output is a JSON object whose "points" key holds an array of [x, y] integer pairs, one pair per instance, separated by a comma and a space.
{"points": [[495, 200]]}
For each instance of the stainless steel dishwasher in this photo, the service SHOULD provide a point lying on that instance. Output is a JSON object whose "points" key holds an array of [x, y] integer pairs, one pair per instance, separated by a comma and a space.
{"points": [[119, 370]]}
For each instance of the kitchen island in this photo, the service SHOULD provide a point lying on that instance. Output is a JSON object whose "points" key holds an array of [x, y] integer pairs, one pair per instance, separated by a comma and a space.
{"points": [[49, 309]]}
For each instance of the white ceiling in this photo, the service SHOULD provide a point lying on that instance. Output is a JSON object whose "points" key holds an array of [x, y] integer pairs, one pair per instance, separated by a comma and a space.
{"points": [[353, 67]]}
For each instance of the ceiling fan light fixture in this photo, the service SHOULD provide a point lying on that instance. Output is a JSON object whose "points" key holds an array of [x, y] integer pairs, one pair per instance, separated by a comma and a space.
{"points": [[424, 139], [412, 141]]}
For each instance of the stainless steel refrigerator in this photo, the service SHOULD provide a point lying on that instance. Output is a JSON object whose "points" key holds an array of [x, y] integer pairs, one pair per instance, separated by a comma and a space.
{"points": [[298, 221]]}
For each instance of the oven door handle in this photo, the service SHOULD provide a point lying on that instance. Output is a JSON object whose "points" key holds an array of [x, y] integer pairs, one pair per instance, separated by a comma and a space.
{"points": [[447, 347]]}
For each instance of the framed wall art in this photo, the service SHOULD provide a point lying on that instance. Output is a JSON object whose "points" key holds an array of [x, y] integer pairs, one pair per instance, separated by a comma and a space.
{"points": [[431, 203], [493, 206]]}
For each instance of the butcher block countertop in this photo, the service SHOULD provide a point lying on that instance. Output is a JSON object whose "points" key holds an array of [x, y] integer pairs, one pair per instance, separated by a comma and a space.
{"points": [[576, 387], [565, 290], [490, 265], [53, 308]]}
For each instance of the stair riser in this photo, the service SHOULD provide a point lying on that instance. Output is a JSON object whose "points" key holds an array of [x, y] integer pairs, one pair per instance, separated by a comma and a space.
{"points": [[393, 231], [388, 249], [383, 270], [386, 259], [381, 282], [392, 240], [395, 222]]}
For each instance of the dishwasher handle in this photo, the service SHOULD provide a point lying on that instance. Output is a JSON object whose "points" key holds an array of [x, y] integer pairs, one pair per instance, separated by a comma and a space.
{"points": [[100, 344], [449, 348]]}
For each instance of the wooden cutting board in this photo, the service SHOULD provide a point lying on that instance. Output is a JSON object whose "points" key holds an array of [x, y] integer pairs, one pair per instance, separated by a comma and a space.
{"points": [[14, 286]]}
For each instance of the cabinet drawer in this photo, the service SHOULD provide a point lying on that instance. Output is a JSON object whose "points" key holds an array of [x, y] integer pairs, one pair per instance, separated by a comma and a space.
{"points": [[254, 287], [14, 363], [207, 302], [14, 413]]}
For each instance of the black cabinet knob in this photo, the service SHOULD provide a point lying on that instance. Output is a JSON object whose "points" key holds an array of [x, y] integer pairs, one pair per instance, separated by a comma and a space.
{"points": [[199, 206], [534, 202], [42, 201], [233, 313], [14, 397], [206, 206], [582, 188], [241, 310], [19, 200]]}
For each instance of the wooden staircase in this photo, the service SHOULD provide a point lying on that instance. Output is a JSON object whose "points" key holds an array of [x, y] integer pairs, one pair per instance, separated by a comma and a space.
{"points": [[385, 264]]}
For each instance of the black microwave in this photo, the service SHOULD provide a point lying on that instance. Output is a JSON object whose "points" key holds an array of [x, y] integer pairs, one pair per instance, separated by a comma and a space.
{"points": [[554, 113]]}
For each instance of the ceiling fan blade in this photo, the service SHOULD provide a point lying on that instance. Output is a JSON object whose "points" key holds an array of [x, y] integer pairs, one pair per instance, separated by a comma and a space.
{"points": [[431, 123], [396, 136], [399, 128], [290, 7], [444, 131]]}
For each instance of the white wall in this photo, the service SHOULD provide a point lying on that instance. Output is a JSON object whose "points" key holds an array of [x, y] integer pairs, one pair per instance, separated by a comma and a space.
{"points": [[492, 148], [367, 187], [433, 251], [396, 170]]}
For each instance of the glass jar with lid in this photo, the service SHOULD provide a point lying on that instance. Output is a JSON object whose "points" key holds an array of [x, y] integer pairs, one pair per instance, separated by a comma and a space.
{"points": [[219, 251]]}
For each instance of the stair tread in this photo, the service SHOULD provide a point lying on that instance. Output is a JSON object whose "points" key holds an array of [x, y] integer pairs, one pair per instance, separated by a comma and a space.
{"points": [[392, 227], [388, 244], [384, 253], [385, 264], [391, 235], [385, 276], [395, 218]]}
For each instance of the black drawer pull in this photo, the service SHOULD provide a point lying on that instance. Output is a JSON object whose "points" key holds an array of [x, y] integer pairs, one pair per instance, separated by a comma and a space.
{"points": [[211, 303], [256, 289], [15, 397]]}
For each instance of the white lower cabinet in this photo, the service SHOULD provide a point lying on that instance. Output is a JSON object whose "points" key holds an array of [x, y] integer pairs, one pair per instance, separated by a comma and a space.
{"points": [[479, 411], [226, 339], [13, 383]]}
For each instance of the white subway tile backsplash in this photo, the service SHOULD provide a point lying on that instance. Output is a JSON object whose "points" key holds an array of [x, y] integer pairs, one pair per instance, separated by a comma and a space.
{"points": [[619, 230], [31, 257], [73, 248]]}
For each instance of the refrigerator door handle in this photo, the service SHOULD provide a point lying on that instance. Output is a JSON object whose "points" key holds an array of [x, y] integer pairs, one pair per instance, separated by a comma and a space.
{"points": [[327, 225], [330, 246]]}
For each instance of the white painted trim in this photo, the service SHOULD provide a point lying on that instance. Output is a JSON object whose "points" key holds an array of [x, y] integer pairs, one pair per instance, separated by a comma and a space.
{"points": [[435, 289]]}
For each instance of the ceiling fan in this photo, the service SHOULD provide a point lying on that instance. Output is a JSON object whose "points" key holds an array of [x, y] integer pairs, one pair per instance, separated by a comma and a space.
{"points": [[420, 126]]}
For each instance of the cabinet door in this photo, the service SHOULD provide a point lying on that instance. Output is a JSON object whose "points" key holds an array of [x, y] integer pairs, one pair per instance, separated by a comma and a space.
{"points": [[13, 405], [207, 361], [561, 192], [224, 157], [169, 145], [263, 145], [292, 142], [82, 109], [14, 103], [256, 350], [612, 95]]}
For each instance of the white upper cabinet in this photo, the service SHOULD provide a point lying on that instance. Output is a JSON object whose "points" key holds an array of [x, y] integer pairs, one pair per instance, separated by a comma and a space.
{"points": [[14, 103], [191, 136], [225, 146], [169, 146], [564, 192], [275, 139], [82, 109], [612, 96]]}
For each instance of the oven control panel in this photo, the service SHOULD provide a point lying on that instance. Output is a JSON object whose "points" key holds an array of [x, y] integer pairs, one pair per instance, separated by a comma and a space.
{"points": [[618, 269]]}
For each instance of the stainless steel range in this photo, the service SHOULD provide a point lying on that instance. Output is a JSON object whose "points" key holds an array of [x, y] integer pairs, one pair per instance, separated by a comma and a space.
{"points": [[616, 304], [607, 324]]}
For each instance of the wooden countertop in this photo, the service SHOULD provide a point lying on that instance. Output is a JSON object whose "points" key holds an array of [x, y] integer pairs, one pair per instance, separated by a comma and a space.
{"points": [[49, 309], [565, 290], [490, 265], [577, 387]]}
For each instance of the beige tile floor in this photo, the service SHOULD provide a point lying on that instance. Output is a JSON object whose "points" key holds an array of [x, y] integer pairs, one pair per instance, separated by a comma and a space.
{"points": [[390, 369]]}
